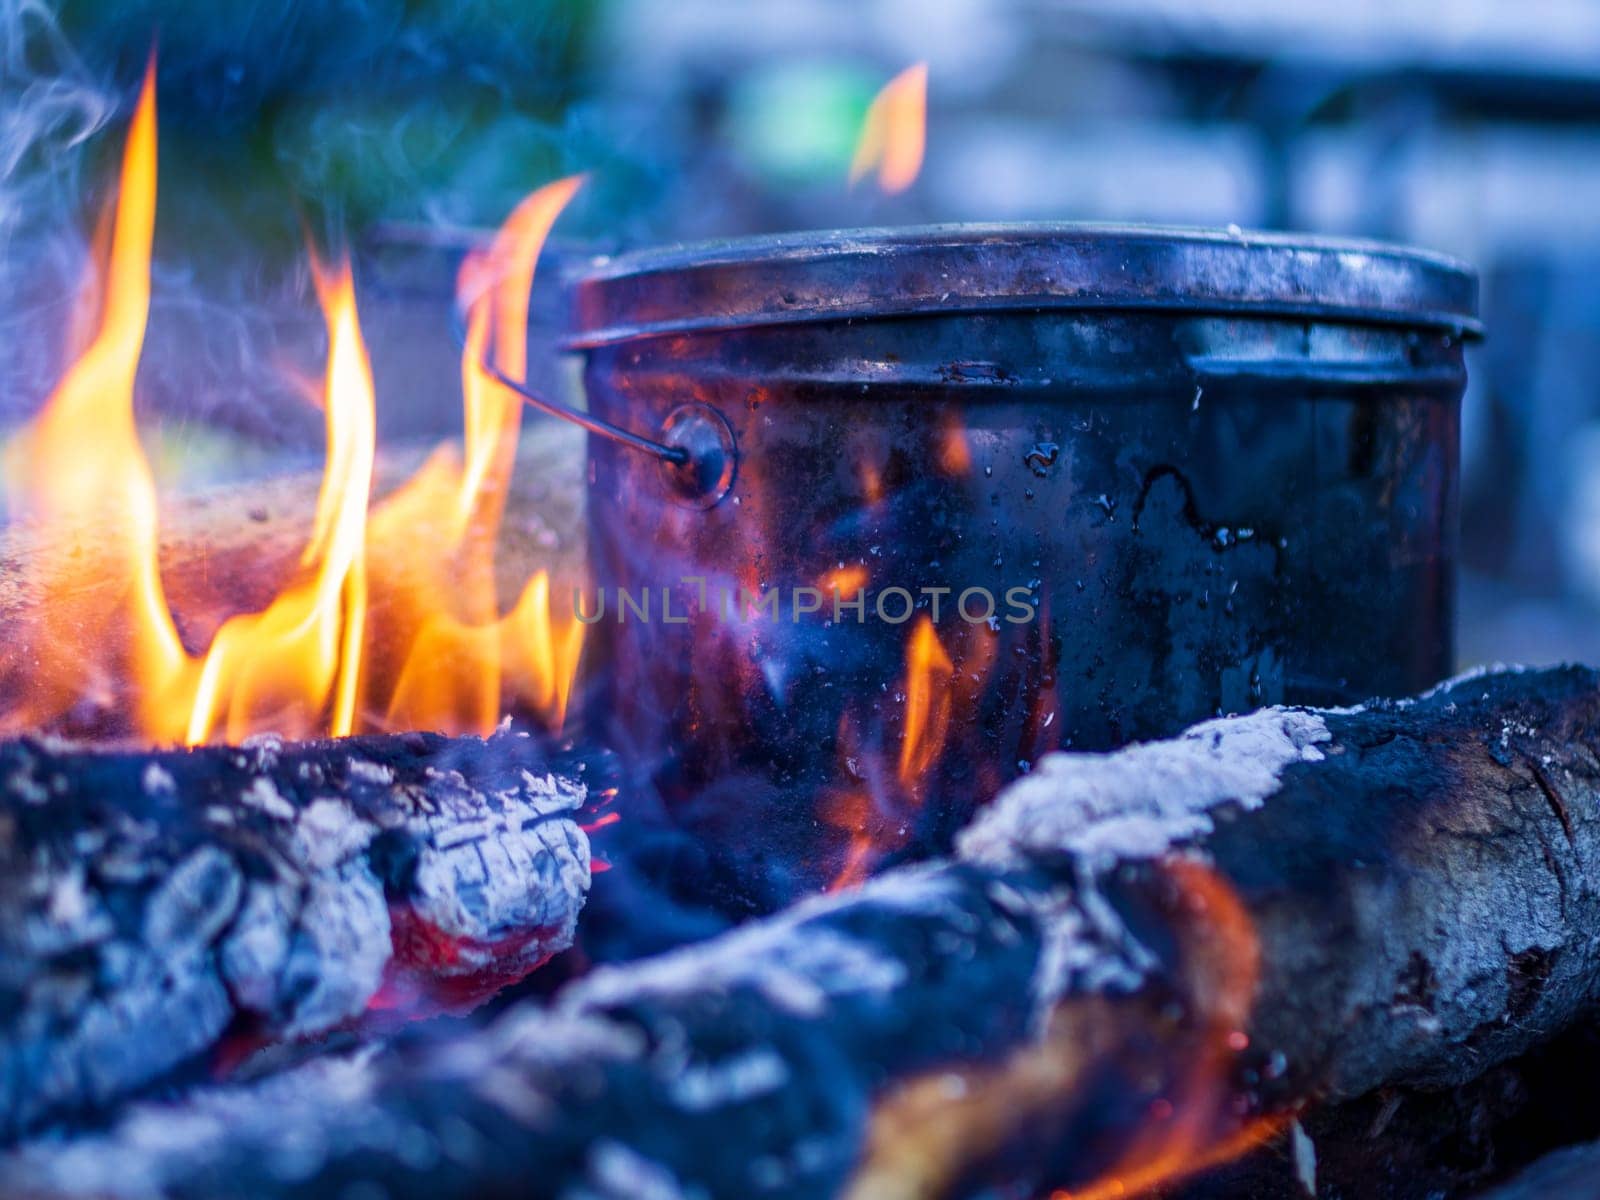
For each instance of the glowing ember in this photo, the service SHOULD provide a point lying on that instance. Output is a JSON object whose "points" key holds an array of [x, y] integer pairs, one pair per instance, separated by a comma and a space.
{"points": [[1188, 1130], [893, 137]]}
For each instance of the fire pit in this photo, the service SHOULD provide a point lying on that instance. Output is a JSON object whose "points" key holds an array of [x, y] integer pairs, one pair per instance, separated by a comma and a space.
{"points": [[1096, 483], [994, 769]]}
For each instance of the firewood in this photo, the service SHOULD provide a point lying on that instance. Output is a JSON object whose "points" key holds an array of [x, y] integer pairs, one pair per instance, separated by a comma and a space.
{"points": [[1423, 1141], [231, 549], [1264, 913], [163, 912]]}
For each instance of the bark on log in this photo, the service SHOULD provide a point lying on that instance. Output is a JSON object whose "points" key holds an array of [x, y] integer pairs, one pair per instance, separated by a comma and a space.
{"points": [[161, 912], [1421, 882]]}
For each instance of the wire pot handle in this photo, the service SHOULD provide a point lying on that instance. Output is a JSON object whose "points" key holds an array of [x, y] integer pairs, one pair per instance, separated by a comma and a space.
{"points": [[696, 450]]}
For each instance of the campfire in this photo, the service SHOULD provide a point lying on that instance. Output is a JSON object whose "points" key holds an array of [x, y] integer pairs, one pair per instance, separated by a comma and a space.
{"points": [[387, 619], [955, 711]]}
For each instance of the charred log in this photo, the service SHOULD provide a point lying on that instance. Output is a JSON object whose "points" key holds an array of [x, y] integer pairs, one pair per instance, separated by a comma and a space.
{"points": [[1132, 962], [1419, 1141], [163, 912], [1568, 1174]]}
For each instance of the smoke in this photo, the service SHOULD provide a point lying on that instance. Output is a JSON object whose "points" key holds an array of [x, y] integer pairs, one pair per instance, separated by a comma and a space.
{"points": [[50, 107], [343, 118]]}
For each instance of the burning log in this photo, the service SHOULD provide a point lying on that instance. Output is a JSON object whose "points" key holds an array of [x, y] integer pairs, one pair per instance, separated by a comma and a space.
{"points": [[1129, 965], [229, 549], [162, 913]]}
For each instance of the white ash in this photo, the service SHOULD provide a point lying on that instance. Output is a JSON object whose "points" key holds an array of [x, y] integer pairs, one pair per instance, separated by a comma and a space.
{"points": [[264, 750], [499, 1066], [273, 959], [618, 1172], [263, 796], [1084, 946], [1470, 675], [69, 902], [449, 780], [497, 864], [1142, 801], [556, 794], [798, 971], [532, 1035], [329, 833], [135, 1157], [158, 781], [255, 950], [194, 903], [1305, 1158], [700, 1087], [345, 920], [500, 875], [370, 772], [24, 782]]}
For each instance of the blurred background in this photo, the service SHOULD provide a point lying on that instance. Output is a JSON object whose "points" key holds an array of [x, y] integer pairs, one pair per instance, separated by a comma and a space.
{"points": [[401, 126]]}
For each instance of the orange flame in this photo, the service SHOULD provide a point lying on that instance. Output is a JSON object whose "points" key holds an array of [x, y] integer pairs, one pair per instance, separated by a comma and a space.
{"points": [[1187, 1132], [541, 654], [852, 812], [85, 481], [895, 132], [294, 668], [928, 675], [462, 657], [419, 640], [874, 813]]}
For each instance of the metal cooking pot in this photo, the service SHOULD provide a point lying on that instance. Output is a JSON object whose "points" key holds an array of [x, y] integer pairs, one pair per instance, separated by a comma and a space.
{"points": [[1221, 467]]}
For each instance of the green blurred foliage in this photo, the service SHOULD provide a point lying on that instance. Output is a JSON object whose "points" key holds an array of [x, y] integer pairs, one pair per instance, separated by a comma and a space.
{"points": [[339, 113], [798, 123]]}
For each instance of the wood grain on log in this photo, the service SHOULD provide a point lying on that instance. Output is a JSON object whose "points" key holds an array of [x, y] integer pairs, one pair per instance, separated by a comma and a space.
{"points": [[1262, 913], [160, 911]]}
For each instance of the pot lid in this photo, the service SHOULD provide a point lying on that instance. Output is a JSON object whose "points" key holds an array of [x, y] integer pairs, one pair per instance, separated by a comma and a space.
{"points": [[859, 273]]}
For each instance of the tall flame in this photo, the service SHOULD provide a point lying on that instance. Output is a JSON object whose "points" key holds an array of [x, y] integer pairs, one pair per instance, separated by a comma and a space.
{"points": [[86, 485], [464, 657], [894, 134], [294, 667]]}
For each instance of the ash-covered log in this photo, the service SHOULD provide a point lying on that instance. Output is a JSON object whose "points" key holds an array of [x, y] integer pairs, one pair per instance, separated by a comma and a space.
{"points": [[1129, 959], [162, 913]]}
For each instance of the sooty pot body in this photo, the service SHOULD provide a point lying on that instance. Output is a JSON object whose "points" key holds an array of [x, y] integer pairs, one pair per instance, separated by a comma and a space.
{"points": [[1176, 514]]}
